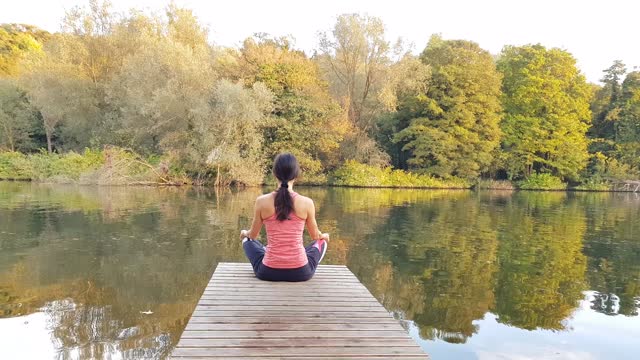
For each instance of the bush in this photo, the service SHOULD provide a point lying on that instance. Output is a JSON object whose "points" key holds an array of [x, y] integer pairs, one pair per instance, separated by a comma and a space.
{"points": [[542, 182], [353, 173], [112, 166], [594, 186], [15, 166], [487, 184]]}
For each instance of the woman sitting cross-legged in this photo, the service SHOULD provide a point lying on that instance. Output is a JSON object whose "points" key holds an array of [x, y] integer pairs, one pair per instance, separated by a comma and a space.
{"points": [[284, 214]]}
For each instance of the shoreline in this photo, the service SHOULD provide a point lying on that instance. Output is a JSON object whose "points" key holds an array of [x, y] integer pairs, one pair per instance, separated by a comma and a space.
{"points": [[471, 188]]}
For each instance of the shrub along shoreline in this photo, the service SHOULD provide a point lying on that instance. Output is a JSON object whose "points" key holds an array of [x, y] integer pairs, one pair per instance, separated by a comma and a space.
{"points": [[117, 166]]}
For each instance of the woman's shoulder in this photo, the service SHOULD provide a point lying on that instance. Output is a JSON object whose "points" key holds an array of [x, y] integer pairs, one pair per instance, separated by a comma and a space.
{"points": [[264, 198], [303, 199]]}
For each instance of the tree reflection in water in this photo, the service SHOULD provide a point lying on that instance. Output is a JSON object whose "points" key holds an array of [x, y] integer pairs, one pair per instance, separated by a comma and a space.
{"points": [[93, 259]]}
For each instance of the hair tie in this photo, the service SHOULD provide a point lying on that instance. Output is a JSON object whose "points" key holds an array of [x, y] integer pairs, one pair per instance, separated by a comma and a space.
{"points": [[284, 185]]}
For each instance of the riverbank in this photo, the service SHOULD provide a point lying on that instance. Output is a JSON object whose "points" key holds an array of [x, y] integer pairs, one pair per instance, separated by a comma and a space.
{"points": [[117, 166]]}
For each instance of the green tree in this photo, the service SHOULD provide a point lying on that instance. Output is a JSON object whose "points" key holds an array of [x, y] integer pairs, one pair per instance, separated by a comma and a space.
{"points": [[158, 93], [628, 125], [355, 58], [60, 91], [228, 138], [18, 119], [305, 120], [16, 42], [452, 125], [407, 77], [605, 102], [546, 105]]}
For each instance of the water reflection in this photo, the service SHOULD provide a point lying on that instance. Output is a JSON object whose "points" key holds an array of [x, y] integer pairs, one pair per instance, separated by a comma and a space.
{"points": [[94, 261]]}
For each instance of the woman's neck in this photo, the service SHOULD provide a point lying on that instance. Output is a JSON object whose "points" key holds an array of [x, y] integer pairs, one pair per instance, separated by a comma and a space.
{"points": [[289, 186]]}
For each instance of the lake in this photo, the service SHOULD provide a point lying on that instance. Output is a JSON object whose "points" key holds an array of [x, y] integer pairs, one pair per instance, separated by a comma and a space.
{"points": [[115, 272]]}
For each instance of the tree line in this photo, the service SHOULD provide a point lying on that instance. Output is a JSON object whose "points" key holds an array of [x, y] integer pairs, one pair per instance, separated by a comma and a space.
{"points": [[153, 83]]}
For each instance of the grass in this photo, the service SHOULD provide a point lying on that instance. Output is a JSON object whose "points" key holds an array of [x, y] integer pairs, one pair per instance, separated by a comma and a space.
{"points": [[542, 182], [356, 174]]}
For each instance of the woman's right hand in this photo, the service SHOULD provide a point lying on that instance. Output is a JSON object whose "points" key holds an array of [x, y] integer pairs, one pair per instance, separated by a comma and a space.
{"points": [[324, 236]]}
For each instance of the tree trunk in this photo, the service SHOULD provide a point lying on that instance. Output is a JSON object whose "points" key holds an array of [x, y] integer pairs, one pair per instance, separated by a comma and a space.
{"points": [[48, 133]]}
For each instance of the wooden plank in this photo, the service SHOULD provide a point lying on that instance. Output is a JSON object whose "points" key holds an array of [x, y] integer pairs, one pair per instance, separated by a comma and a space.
{"points": [[298, 357], [341, 352], [270, 313], [288, 309], [263, 303], [379, 335], [330, 316], [302, 343], [300, 284], [291, 327], [290, 320], [230, 288], [284, 298]]}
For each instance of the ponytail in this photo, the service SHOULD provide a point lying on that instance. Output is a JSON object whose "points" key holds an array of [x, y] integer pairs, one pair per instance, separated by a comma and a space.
{"points": [[283, 202], [285, 169]]}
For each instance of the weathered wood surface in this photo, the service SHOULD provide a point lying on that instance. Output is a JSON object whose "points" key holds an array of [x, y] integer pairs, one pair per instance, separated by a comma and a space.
{"points": [[332, 316]]}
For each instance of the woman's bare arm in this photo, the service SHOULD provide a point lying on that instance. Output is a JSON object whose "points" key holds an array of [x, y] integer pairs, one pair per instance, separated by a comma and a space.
{"points": [[256, 225], [312, 225]]}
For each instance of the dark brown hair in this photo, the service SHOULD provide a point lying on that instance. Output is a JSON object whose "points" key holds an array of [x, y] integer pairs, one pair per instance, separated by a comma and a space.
{"points": [[285, 169]]}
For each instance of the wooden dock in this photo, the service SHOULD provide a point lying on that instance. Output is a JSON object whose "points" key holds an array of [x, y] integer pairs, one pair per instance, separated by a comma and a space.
{"points": [[332, 316]]}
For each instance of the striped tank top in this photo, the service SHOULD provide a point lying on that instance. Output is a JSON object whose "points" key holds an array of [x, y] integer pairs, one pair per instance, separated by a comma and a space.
{"points": [[285, 249]]}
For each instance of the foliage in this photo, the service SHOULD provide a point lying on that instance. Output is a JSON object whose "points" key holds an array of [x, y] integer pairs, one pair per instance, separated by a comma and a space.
{"points": [[355, 58], [604, 104], [451, 129], [488, 184], [17, 41], [18, 119], [353, 173], [304, 119], [155, 84], [592, 185], [546, 105], [230, 133], [44, 166], [111, 166], [542, 181]]}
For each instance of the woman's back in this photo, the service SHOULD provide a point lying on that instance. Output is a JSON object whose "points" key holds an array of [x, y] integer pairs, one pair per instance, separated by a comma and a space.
{"points": [[285, 249], [284, 213]]}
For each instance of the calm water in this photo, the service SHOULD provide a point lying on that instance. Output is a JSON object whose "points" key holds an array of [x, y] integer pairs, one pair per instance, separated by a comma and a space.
{"points": [[475, 275]]}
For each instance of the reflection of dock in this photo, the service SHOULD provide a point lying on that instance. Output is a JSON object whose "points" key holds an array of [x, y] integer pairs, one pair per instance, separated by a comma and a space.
{"points": [[627, 185], [332, 316]]}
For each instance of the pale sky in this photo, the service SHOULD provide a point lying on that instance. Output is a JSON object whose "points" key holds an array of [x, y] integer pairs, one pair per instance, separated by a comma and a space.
{"points": [[595, 32]]}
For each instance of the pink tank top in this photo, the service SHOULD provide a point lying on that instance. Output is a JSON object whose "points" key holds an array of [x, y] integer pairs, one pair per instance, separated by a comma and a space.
{"points": [[285, 249]]}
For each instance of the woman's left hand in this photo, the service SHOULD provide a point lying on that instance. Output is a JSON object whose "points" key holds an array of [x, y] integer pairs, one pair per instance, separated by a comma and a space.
{"points": [[244, 234]]}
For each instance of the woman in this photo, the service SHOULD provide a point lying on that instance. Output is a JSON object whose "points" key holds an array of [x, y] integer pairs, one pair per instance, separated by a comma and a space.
{"points": [[284, 214]]}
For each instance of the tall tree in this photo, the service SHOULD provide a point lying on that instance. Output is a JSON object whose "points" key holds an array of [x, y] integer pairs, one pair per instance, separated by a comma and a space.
{"points": [[407, 78], [228, 138], [355, 56], [60, 90], [546, 105], [452, 127], [628, 125], [305, 120], [158, 93], [17, 118], [605, 104], [16, 42]]}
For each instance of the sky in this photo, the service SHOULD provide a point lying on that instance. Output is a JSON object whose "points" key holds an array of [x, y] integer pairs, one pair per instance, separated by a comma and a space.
{"points": [[595, 32]]}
